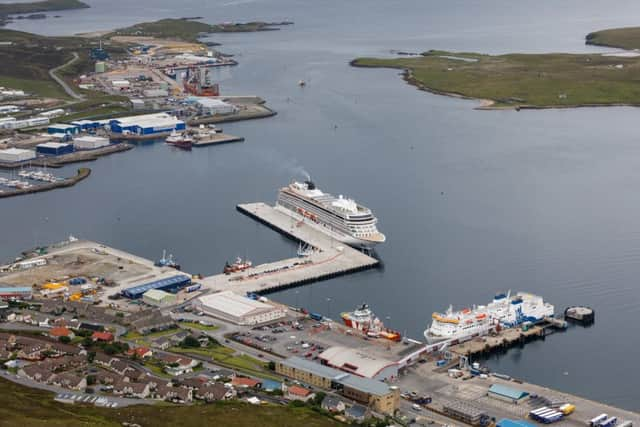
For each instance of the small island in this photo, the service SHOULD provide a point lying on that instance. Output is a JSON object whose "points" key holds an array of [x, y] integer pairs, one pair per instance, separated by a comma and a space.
{"points": [[552, 80], [34, 9]]}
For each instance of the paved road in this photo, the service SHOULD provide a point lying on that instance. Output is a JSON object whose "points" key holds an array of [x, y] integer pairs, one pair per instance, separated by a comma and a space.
{"points": [[61, 82]]}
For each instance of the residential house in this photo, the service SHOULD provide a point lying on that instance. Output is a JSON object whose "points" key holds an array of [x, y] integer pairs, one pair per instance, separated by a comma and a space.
{"points": [[333, 404], [177, 365], [102, 336], [33, 351], [140, 352], [174, 394], [38, 373], [162, 343], [104, 360], [213, 392], [61, 331], [296, 392], [70, 381], [193, 382], [106, 377], [357, 413], [243, 382], [139, 390], [153, 322], [121, 367]]}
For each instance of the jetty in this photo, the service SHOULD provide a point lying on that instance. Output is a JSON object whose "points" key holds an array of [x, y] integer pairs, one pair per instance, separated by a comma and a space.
{"points": [[331, 258], [217, 138]]}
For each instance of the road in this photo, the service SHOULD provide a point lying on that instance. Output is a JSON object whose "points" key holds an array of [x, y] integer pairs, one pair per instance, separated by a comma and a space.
{"points": [[61, 82]]}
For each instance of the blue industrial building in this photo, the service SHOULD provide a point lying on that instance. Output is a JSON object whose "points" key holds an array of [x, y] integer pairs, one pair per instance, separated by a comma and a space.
{"points": [[54, 148], [170, 284], [63, 128], [86, 125], [147, 124], [505, 393], [505, 422]]}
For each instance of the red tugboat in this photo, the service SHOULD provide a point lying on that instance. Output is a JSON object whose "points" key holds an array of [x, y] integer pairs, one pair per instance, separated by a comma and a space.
{"points": [[180, 140], [363, 320], [238, 266], [198, 83]]}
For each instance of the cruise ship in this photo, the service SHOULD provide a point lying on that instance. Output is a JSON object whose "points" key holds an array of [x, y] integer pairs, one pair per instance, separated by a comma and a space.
{"points": [[504, 311], [340, 217]]}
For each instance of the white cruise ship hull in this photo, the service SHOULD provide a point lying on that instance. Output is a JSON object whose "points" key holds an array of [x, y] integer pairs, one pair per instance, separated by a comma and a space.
{"points": [[344, 238]]}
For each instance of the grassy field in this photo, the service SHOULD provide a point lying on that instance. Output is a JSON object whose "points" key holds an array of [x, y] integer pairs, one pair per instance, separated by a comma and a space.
{"points": [[146, 339], [624, 38], [198, 326], [22, 406], [523, 80], [226, 357], [40, 6], [187, 29]]}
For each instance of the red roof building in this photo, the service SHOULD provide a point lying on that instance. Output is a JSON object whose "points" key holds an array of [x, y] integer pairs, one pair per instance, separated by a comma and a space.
{"points": [[60, 331], [141, 352], [245, 382], [102, 336]]}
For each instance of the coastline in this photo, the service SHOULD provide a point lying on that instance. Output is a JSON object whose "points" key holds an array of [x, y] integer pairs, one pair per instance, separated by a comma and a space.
{"points": [[485, 104]]}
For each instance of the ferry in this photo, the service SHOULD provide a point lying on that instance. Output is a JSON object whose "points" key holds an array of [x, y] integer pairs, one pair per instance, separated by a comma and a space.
{"points": [[505, 311], [363, 320], [339, 217]]}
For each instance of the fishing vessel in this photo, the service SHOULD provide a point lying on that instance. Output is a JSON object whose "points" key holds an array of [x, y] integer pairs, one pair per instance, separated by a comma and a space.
{"points": [[180, 140], [237, 266], [340, 217], [505, 311], [363, 320], [167, 261]]}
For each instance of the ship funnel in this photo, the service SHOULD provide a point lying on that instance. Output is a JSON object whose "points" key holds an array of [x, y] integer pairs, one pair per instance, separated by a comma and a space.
{"points": [[310, 184]]}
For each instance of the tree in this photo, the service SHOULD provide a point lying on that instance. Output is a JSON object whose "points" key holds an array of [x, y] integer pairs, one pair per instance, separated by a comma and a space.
{"points": [[319, 397], [271, 365], [190, 341], [87, 342], [91, 356], [91, 380], [64, 339]]}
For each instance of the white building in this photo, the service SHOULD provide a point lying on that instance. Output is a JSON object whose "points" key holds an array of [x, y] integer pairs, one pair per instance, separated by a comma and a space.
{"points": [[52, 113], [121, 83], [7, 109], [358, 362], [238, 309], [211, 106], [16, 155], [90, 142]]}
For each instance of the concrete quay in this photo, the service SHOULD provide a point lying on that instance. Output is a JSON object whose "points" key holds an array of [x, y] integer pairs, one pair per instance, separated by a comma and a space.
{"points": [[331, 258], [218, 138]]}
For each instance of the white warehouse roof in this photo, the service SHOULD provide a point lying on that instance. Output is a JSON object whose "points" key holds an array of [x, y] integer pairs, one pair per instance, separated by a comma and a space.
{"points": [[233, 304], [148, 120], [17, 151], [348, 358]]}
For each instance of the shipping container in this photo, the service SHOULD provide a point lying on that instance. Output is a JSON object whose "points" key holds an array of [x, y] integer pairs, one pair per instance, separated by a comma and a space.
{"points": [[193, 288], [597, 420], [609, 422], [315, 316]]}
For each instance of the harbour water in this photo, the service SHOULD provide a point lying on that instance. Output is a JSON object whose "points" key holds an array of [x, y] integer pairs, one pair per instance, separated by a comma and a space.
{"points": [[472, 202]]}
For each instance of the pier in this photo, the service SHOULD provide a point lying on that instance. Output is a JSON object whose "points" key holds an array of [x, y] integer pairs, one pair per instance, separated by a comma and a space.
{"points": [[331, 258], [218, 138]]}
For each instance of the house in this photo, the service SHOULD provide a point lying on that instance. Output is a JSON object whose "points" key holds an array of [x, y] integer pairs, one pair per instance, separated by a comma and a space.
{"points": [[104, 360], [140, 352], [32, 352], [177, 365], [333, 404], [139, 390], [224, 373], [37, 373], [213, 392], [296, 392], [134, 374], [61, 331], [174, 394], [106, 377], [70, 381], [193, 382], [242, 382], [121, 367], [179, 337], [162, 343], [67, 349], [102, 336], [357, 413]]}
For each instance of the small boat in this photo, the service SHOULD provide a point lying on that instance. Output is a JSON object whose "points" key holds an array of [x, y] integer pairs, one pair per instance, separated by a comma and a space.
{"points": [[305, 250], [239, 265], [167, 262], [180, 140], [302, 83]]}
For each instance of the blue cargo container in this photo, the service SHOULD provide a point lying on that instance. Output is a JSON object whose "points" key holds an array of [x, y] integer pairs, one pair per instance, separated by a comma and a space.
{"points": [[171, 284], [63, 128], [315, 316], [193, 288], [77, 281]]}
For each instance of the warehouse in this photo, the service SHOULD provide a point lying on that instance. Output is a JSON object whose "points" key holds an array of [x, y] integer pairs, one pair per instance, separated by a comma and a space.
{"points": [[122, 84], [52, 113], [358, 363], [211, 107], [507, 394], [85, 125], [16, 155], [147, 124], [170, 284], [376, 394], [7, 122], [54, 148], [7, 109], [238, 309], [90, 142], [63, 129], [18, 292], [158, 298]]}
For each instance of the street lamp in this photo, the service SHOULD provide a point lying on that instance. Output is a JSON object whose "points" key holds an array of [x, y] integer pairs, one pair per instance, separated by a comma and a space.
{"points": [[329, 307]]}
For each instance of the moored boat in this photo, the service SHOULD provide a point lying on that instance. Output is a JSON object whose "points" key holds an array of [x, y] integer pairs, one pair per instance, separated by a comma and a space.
{"points": [[237, 266], [180, 140], [363, 320]]}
